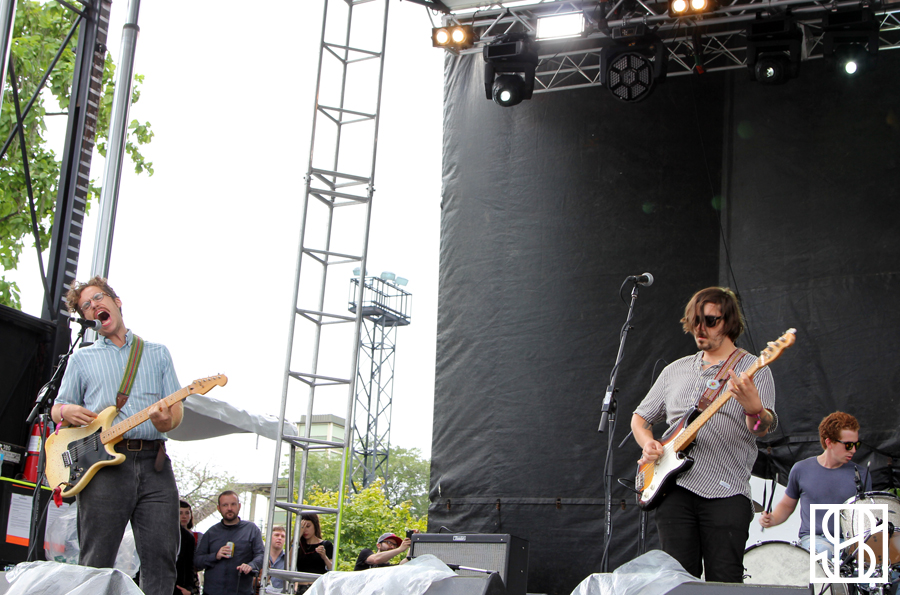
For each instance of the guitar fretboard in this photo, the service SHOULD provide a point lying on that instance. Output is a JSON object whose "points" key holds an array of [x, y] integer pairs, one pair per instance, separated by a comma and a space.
{"points": [[141, 416]]}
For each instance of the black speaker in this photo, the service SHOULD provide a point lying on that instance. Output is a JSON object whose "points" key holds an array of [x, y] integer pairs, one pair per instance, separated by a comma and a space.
{"points": [[506, 554], [697, 588], [485, 584]]}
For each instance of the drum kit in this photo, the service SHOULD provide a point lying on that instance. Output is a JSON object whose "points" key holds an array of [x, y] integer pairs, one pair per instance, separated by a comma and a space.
{"points": [[787, 564]]}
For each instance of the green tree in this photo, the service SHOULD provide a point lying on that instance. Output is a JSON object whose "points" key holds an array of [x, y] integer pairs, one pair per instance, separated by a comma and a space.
{"points": [[40, 29], [366, 516], [406, 479], [200, 484]]}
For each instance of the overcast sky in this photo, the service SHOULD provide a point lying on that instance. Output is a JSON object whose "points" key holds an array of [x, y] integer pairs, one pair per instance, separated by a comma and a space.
{"points": [[204, 251]]}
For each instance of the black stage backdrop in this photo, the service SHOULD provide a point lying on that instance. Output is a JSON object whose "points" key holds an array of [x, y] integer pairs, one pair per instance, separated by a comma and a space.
{"points": [[787, 194]]}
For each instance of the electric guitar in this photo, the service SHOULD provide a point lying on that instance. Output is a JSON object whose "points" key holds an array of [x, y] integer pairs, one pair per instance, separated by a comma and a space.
{"points": [[75, 454], [654, 477]]}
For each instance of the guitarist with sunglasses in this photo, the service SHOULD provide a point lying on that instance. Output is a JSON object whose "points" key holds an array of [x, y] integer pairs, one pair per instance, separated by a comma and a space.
{"points": [[123, 370], [704, 515], [827, 478]]}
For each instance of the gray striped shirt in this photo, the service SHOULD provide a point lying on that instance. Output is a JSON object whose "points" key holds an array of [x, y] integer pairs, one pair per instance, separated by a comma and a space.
{"points": [[724, 450], [94, 374]]}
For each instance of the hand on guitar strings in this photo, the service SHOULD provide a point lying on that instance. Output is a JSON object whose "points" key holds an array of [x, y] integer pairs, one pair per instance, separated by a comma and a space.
{"points": [[745, 392], [163, 417], [652, 450], [75, 415]]}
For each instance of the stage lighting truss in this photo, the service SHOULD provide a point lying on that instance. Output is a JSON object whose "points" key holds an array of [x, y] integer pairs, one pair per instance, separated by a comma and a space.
{"points": [[706, 43], [773, 50]]}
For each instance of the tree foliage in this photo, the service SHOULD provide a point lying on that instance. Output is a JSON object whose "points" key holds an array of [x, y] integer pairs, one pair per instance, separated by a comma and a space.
{"points": [[40, 29], [200, 484], [406, 479], [366, 515]]}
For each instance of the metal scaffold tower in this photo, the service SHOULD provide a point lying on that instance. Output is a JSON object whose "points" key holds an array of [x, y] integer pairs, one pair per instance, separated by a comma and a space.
{"points": [[321, 359], [385, 307]]}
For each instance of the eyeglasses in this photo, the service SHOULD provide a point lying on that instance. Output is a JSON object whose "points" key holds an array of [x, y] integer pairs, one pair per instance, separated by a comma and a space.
{"points": [[96, 298], [708, 321], [851, 445]]}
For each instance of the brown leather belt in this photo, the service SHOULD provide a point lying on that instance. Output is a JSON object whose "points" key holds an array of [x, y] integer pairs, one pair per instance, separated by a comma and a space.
{"points": [[138, 445]]}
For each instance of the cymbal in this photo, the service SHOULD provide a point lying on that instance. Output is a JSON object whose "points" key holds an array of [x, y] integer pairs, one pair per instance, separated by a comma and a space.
{"points": [[757, 507]]}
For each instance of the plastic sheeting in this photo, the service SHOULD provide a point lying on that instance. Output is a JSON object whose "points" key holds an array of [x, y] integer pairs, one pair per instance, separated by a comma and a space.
{"points": [[412, 578], [29, 578], [206, 417], [654, 573], [549, 205]]}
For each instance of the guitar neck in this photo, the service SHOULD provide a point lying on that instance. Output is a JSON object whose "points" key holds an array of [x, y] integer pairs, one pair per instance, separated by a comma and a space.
{"points": [[686, 437], [141, 416]]}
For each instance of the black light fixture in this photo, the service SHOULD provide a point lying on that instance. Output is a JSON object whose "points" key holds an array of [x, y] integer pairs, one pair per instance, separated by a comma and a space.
{"points": [[457, 37], [773, 50], [509, 65], [633, 63], [684, 8], [850, 40]]}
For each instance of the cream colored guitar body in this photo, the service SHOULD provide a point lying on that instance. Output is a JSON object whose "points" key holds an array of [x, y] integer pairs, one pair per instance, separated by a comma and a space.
{"points": [[76, 454]]}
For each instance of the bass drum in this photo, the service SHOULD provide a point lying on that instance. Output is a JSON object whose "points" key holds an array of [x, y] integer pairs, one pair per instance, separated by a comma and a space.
{"points": [[783, 564]]}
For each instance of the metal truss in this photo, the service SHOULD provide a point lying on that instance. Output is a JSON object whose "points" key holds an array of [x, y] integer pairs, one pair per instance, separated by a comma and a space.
{"points": [[385, 307], [694, 45]]}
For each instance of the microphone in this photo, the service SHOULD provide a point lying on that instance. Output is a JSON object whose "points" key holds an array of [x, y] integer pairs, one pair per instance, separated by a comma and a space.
{"points": [[94, 324], [646, 279]]}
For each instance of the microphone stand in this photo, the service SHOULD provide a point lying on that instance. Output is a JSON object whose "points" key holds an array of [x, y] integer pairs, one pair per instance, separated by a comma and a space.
{"points": [[46, 398], [608, 416]]}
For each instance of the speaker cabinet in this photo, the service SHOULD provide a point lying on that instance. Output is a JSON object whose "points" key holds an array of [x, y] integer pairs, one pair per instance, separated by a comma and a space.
{"points": [[503, 553]]}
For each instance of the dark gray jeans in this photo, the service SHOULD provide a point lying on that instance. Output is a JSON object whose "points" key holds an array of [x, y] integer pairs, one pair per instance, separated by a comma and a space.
{"points": [[132, 491]]}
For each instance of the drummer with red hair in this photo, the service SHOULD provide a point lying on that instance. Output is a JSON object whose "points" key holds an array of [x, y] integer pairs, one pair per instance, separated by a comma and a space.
{"points": [[827, 478]]}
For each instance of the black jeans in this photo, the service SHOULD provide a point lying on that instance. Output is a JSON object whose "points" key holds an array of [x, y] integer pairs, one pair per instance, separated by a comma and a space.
{"points": [[705, 533], [132, 491]]}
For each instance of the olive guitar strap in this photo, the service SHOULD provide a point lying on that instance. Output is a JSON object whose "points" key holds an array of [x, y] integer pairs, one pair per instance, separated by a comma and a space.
{"points": [[714, 386], [134, 360]]}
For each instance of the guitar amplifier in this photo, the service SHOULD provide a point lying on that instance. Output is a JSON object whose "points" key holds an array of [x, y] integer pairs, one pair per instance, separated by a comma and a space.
{"points": [[502, 553]]}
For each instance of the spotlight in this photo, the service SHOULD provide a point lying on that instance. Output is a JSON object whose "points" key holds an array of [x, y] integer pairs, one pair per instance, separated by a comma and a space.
{"points": [[509, 65], [457, 37], [560, 25], [850, 41], [773, 50], [684, 8], [630, 67]]}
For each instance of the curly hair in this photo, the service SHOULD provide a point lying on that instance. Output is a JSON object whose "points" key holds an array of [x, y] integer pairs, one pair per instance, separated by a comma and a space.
{"points": [[728, 304], [73, 298], [832, 425]]}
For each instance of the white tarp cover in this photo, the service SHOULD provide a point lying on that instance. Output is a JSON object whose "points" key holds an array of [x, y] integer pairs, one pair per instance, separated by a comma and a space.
{"points": [[413, 578], [29, 578], [205, 417], [654, 573]]}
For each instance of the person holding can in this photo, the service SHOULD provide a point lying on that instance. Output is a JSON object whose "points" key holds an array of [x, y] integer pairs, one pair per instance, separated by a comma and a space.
{"points": [[230, 551]]}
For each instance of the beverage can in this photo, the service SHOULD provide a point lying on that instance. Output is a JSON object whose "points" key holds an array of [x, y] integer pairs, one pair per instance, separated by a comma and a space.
{"points": [[230, 545]]}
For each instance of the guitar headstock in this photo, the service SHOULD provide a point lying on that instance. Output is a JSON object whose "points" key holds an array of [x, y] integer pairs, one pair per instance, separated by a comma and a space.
{"points": [[204, 385], [773, 351]]}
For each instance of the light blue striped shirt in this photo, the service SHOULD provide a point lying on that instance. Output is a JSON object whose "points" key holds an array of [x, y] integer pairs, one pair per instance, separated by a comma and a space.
{"points": [[94, 374]]}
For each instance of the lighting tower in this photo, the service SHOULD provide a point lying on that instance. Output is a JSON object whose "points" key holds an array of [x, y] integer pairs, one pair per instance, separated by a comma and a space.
{"points": [[385, 306]]}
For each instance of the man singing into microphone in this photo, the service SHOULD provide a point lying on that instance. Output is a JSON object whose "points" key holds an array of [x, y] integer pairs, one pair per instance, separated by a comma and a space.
{"points": [[123, 370], [704, 518], [827, 478]]}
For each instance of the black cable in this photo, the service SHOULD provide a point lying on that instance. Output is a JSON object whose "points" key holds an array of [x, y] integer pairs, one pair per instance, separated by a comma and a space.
{"points": [[27, 171]]}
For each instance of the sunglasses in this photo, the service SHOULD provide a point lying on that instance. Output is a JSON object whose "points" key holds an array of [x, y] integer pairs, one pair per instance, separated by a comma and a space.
{"points": [[708, 321], [851, 445]]}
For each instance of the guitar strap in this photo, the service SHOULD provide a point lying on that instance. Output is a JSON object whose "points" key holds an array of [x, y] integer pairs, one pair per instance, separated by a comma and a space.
{"points": [[714, 387], [134, 360]]}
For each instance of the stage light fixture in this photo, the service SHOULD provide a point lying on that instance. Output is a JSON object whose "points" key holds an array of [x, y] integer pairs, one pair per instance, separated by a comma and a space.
{"points": [[773, 50], [509, 65], [632, 65], [850, 40], [684, 8], [457, 37], [560, 26]]}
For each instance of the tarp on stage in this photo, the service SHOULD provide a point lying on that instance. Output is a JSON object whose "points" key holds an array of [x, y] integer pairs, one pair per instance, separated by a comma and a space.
{"points": [[549, 205]]}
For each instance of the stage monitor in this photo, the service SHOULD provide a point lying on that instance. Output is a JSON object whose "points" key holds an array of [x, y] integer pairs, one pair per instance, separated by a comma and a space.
{"points": [[503, 553]]}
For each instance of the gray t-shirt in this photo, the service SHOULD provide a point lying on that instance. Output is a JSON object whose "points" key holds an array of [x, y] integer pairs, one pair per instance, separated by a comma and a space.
{"points": [[811, 483]]}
